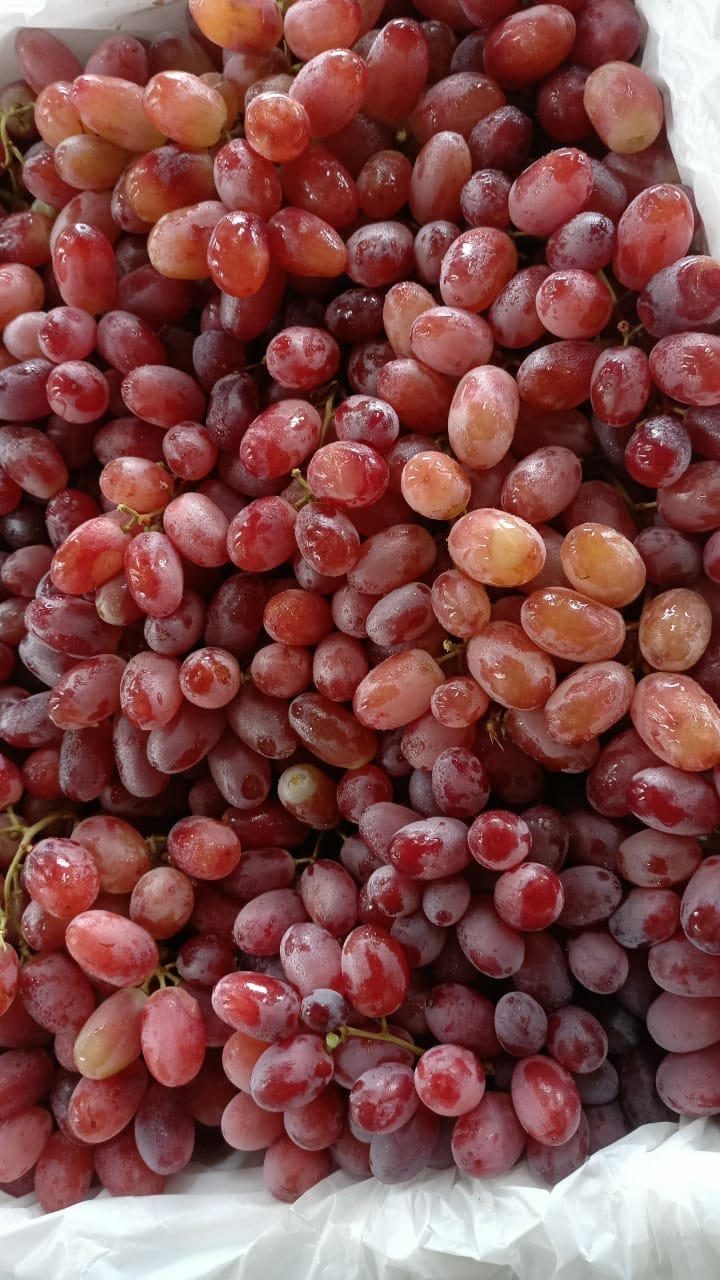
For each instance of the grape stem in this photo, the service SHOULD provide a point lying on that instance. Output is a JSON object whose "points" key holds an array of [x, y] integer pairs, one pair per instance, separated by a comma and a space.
{"points": [[11, 155], [609, 288], [148, 520], [494, 726], [308, 862], [308, 495], [613, 480], [628, 332], [157, 849], [334, 1039], [453, 649], [165, 975]]}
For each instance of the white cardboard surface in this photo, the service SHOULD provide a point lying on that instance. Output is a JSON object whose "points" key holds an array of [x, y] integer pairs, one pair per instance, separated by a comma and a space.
{"points": [[643, 1209]]}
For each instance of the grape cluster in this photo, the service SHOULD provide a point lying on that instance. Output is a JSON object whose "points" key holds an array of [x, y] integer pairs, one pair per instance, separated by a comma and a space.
{"points": [[359, 605]]}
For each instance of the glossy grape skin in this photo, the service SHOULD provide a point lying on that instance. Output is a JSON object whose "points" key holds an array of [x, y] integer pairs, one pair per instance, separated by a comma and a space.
{"points": [[348, 472], [655, 230], [683, 969], [677, 720], [400, 39], [550, 191], [572, 303], [541, 485], [450, 1080], [546, 1100], [255, 29], [601, 562], [511, 669], [62, 877], [439, 175], [482, 417], [100, 1109], [689, 504], [589, 701], [24, 1137], [88, 693], [513, 315], [698, 911], [489, 943], [379, 254], [620, 385], [657, 860], [658, 452], [9, 968], [489, 1139], [397, 691], [585, 241], [557, 376], [460, 604], [173, 1036], [456, 103], [674, 630], [375, 971], [83, 262], [573, 626], [450, 340], [553, 1164], [528, 897], [111, 949], [501, 140], [121, 1169], [118, 849], [684, 366], [262, 1007], [681, 1025], [110, 1039], [383, 1098], [686, 1082], [681, 296], [291, 1073], [496, 548], [435, 486], [63, 1173], [476, 267], [520, 1024], [429, 849], [289, 1170], [524, 47]]}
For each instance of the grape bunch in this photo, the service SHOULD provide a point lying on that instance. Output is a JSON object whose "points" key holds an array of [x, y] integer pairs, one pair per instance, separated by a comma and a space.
{"points": [[359, 598]]}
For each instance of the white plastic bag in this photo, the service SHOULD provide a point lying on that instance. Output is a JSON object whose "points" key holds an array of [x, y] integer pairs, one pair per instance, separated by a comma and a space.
{"points": [[643, 1209]]}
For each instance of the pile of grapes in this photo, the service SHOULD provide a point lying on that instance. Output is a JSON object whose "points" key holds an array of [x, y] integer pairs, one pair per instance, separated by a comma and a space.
{"points": [[359, 598]]}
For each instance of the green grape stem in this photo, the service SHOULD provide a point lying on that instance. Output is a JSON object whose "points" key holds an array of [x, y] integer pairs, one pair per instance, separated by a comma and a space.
{"points": [[308, 495], [148, 520], [453, 649], [308, 862], [10, 154], [164, 976], [334, 1039]]}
